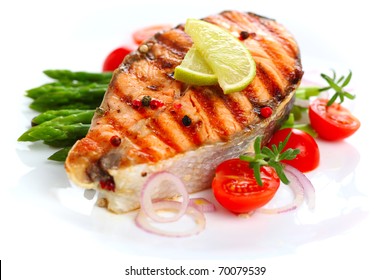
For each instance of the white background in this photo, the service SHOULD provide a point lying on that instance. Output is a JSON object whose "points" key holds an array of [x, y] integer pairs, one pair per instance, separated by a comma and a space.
{"points": [[37, 241]]}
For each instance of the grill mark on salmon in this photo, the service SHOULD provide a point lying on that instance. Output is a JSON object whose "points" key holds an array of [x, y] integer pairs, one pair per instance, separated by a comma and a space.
{"points": [[273, 50], [284, 38], [157, 139], [269, 83], [237, 105], [166, 125], [175, 40], [213, 110], [266, 47], [192, 131], [277, 56]]}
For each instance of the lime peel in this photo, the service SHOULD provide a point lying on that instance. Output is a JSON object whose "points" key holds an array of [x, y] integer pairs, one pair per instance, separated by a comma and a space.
{"points": [[228, 58], [195, 70]]}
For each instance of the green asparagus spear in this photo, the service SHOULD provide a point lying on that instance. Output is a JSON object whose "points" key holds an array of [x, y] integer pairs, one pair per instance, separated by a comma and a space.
{"points": [[59, 127], [60, 155], [88, 96], [56, 87], [52, 114], [35, 92], [66, 75], [63, 143], [59, 132], [75, 105]]}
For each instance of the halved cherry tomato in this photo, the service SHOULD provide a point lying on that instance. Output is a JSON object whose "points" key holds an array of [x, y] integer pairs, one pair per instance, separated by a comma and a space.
{"points": [[145, 33], [333, 122], [309, 155], [236, 189], [115, 58]]}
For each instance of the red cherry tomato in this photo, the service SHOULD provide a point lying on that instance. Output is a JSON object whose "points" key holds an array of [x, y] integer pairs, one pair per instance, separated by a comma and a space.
{"points": [[333, 122], [309, 155], [115, 58], [235, 187], [145, 33]]}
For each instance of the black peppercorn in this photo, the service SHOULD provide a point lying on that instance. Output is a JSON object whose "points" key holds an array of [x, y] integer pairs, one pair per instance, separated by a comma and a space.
{"points": [[186, 120]]}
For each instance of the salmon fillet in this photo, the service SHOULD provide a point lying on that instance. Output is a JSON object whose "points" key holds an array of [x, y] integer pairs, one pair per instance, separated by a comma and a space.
{"points": [[187, 130]]}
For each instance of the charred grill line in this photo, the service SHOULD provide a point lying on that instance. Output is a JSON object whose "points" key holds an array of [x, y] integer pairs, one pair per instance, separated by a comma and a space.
{"points": [[269, 26], [269, 82], [175, 47], [239, 113], [208, 104]]}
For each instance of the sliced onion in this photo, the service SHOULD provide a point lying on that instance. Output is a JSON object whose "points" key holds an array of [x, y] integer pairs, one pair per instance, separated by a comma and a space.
{"points": [[148, 206], [143, 222], [308, 188], [202, 204], [301, 187]]}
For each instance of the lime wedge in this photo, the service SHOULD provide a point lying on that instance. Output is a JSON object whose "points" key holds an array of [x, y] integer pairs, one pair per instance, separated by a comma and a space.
{"points": [[194, 70], [228, 58]]}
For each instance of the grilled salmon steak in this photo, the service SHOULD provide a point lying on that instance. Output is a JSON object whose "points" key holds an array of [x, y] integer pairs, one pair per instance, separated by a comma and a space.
{"points": [[149, 122]]}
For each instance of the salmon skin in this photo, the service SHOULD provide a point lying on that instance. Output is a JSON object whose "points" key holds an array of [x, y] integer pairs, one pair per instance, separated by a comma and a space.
{"points": [[150, 122]]}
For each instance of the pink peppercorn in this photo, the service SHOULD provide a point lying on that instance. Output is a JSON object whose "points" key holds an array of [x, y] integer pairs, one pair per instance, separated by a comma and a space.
{"points": [[266, 112], [155, 104], [136, 103], [115, 140]]}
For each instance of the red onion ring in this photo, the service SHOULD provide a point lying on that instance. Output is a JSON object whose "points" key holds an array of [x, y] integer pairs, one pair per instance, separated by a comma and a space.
{"points": [[308, 188], [302, 188], [141, 220], [202, 204], [148, 206]]}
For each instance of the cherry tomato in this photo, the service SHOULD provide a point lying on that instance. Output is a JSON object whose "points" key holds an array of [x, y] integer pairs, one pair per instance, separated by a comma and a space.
{"points": [[309, 155], [115, 58], [236, 189], [145, 33], [333, 122]]}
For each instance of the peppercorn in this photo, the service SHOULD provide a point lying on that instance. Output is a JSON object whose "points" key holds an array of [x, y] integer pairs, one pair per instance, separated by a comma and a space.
{"points": [[143, 48], [186, 120], [266, 112], [154, 104], [136, 103], [100, 111], [146, 100], [244, 35], [115, 140]]}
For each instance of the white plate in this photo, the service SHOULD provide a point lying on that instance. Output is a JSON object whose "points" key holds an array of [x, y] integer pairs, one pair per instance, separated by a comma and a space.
{"points": [[45, 224]]}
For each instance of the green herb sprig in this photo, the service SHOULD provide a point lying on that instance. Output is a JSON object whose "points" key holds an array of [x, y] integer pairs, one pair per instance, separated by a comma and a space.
{"points": [[338, 85], [265, 156], [334, 83]]}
